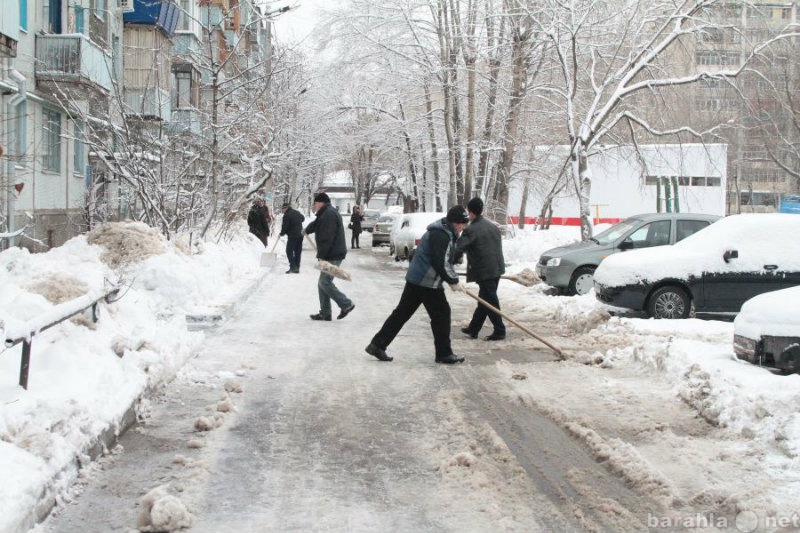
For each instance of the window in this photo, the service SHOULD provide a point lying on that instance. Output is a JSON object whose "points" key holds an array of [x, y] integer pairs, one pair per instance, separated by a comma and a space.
{"points": [[100, 9], [51, 140], [80, 20], [684, 228], [23, 15], [653, 234], [78, 147], [183, 89], [186, 20]]}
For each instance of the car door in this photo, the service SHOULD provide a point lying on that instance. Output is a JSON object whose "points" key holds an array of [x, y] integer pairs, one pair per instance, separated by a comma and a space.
{"points": [[651, 234], [754, 270], [686, 227]]}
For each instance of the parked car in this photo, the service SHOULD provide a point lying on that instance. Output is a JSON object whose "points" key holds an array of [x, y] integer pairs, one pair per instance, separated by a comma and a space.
{"points": [[371, 216], [571, 268], [383, 229], [766, 331], [407, 232], [715, 270]]}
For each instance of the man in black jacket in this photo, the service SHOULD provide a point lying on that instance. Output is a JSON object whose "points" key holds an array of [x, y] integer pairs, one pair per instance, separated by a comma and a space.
{"points": [[483, 245], [328, 231], [292, 227]]}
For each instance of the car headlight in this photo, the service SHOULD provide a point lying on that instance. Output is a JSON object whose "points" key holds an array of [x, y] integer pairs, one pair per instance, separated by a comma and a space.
{"points": [[554, 262]]}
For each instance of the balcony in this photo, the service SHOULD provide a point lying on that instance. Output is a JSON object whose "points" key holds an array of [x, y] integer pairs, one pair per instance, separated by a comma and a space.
{"points": [[187, 121], [72, 59], [148, 103]]}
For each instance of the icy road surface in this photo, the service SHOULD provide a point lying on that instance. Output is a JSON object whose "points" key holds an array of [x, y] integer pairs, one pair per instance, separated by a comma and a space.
{"points": [[283, 424]]}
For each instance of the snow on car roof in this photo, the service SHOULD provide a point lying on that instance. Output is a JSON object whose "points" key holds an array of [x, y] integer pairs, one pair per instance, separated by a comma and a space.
{"points": [[760, 239], [774, 313]]}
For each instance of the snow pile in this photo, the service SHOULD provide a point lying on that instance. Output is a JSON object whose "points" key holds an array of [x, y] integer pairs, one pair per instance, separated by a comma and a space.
{"points": [[83, 379]]}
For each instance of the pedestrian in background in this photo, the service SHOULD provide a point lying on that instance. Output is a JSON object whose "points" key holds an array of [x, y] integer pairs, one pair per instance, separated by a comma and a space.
{"points": [[430, 268], [292, 227], [258, 220], [355, 224], [483, 244], [328, 230]]}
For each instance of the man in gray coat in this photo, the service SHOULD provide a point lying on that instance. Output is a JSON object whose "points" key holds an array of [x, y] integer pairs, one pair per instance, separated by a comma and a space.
{"points": [[483, 244], [328, 232]]}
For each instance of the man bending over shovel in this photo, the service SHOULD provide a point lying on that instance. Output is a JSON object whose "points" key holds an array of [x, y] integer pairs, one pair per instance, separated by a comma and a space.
{"points": [[328, 233]]}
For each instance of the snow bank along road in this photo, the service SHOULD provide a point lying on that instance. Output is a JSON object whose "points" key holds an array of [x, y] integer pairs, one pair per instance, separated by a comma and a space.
{"points": [[285, 424]]}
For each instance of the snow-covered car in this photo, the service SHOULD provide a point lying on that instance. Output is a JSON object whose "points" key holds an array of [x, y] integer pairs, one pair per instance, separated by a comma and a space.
{"points": [[766, 331], [383, 229], [371, 216], [407, 232], [713, 271], [571, 268]]}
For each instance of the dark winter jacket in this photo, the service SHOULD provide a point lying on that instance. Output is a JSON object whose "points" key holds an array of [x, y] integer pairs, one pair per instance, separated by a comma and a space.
{"points": [[432, 263], [355, 222], [328, 231], [483, 244], [258, 220], [292, 224]]}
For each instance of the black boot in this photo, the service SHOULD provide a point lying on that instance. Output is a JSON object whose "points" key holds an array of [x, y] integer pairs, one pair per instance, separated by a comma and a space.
{"points": [[378, 352], [450, 359]]}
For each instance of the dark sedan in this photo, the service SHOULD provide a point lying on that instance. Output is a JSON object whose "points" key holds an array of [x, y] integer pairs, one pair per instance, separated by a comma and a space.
{"points": [[713, 271]]}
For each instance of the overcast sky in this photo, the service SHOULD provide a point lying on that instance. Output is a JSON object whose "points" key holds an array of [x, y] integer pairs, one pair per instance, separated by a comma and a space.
{"points": [[296, 24]]}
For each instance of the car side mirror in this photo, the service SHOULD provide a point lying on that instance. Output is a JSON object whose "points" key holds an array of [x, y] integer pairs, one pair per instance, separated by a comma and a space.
{"points": [[627, 244], [730, 254]]}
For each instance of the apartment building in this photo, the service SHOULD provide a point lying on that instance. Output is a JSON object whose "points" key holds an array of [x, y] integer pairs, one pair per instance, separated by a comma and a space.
{"points": [[762, 166], [95, 94]]}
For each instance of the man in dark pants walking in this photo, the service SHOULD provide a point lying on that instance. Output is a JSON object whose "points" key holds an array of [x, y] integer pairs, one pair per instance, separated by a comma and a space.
{"points": [[292, 227], [328, 231], [431, 266], [483, 245]]}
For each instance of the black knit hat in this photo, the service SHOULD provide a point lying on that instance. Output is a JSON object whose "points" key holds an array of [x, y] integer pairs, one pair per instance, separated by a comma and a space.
{"points": [[322, 197], [285, 205], [457, 214], [475, 206]]}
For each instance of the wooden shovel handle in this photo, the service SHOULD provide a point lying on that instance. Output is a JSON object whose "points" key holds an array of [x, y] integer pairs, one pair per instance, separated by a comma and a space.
{"points": [[520, 326], [309, 240]]}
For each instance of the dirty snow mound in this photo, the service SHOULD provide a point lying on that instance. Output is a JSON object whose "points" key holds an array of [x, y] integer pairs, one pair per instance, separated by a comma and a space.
{"points": [[126, 242], [59, 289], [163, 512]]}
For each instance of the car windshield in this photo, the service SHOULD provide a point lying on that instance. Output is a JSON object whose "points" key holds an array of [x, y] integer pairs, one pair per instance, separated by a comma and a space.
{"points": [[613, 233], [387, 218]]}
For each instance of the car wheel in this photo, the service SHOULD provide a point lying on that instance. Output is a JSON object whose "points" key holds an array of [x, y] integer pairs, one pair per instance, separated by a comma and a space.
{"points": [[582, 281], [669, 302]]}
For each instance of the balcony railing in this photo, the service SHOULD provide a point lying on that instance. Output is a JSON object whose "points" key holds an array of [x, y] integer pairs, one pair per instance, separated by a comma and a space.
{"points": [[72, 58], [148, 103], [187, 120]]}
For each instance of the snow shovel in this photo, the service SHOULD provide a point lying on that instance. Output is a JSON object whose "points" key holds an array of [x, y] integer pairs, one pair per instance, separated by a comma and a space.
{"points": [[268, 258], [520, 326], [329, 268]]}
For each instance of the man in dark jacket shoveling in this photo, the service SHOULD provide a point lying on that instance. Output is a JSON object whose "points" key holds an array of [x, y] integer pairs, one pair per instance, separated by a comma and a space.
{"points": [[328, 231], [292, 227], [483, 245], [430, 268]]}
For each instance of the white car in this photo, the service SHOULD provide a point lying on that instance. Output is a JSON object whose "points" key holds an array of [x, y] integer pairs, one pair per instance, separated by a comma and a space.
{"points": [[766, 331], [408, 230]]}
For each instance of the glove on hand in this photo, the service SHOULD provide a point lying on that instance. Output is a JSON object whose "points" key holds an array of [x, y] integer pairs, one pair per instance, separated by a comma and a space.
{"points": [[457, 286]]}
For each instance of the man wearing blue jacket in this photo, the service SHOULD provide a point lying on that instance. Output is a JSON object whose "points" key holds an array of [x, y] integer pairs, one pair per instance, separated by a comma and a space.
{"points": [[328, 233], [430, 268]]}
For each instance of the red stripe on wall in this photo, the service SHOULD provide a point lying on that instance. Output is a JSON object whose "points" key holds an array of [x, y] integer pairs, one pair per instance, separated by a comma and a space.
{"points": [[563, 221]]}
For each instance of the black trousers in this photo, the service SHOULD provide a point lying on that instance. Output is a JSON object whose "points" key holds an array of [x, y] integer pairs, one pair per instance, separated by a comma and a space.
{"points": [[487, 290], [294, 247], [354, 240], [438, 310]]}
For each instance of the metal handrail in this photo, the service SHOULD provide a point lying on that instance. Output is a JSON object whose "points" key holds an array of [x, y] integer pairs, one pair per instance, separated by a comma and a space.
{"points": [[24, 333]]}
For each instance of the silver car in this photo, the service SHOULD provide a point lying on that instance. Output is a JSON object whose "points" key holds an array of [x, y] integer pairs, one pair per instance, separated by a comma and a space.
{"points": [[571, 268]]}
